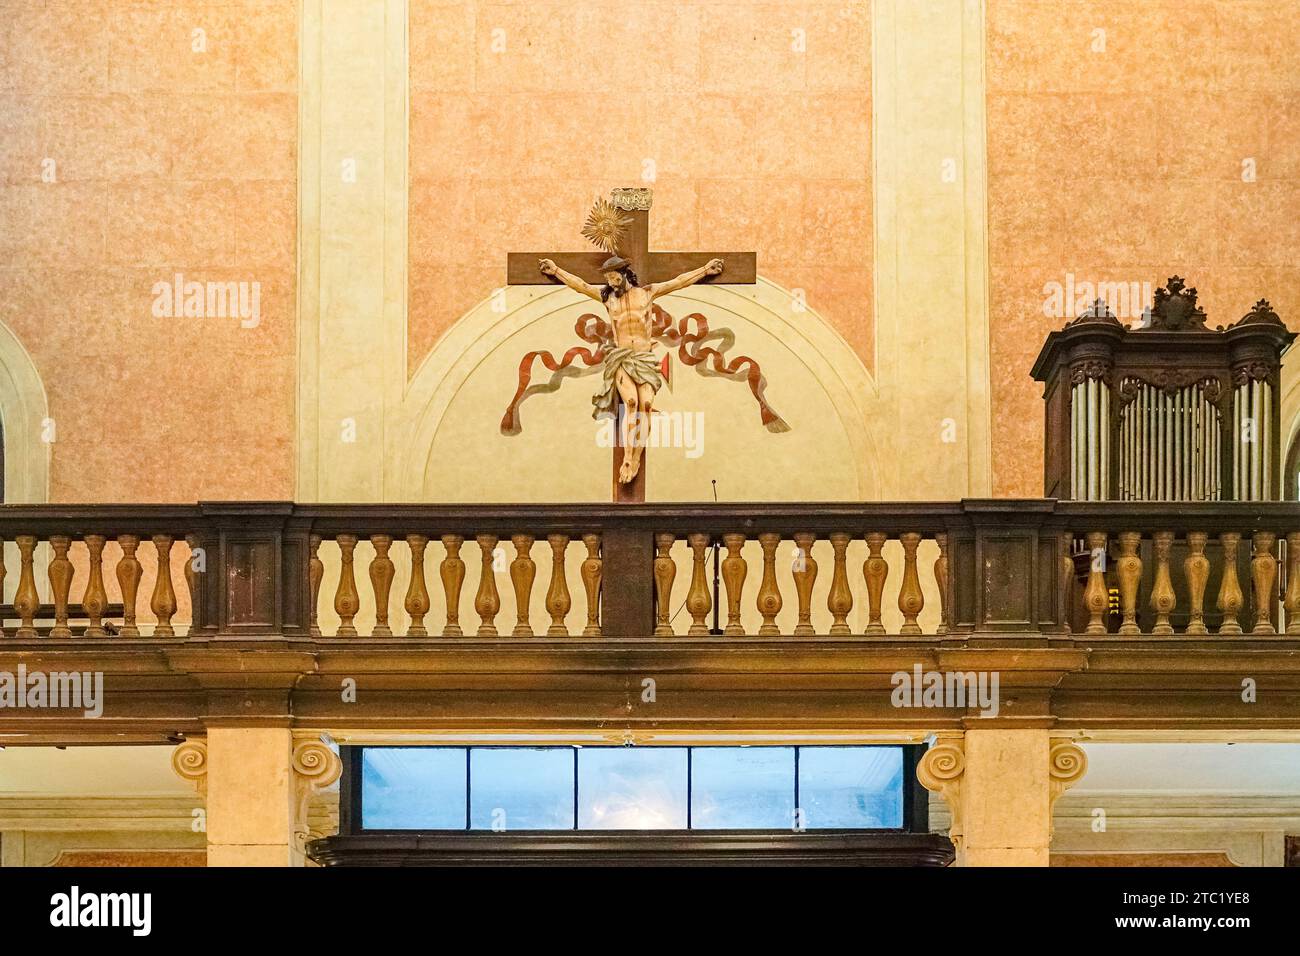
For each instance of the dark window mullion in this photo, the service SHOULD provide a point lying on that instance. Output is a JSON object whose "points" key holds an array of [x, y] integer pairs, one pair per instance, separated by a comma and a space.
{"points": [[690, 780], [797, 808], [468, 791]]}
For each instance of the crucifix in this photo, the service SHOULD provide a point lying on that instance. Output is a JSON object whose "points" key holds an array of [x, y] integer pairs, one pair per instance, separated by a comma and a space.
{"points": [[626, 277]]}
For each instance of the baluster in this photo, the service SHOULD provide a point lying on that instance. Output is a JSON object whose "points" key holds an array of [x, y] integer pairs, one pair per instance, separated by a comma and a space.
{"points": [[381, 582], [805, 576], [1067, 580], [129, 573], [191, 579], [1196, 568], [26, 602], [417, 593], [733, 576], [346, 599], [665, 573], [1291, 602], [487, 602], [1163, 598], [698, 600], [557, 595], [591, 571], [315, 574], [1263, 573], [875, 570], [1128, 568], [163, 602], [769, 594], [95, 600], [910, 599], [452, 573], [522, 572], [1094, 595], [1230, 598], [840, 600], [60, 573], [941, 579], [3, 572]]}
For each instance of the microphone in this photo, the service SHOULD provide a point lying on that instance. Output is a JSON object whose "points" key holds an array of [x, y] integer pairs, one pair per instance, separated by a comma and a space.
{"points": [[717, 621]]}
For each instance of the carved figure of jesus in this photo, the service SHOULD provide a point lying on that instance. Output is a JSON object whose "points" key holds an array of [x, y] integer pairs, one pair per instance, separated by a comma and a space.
{"points": [[630, 369]]}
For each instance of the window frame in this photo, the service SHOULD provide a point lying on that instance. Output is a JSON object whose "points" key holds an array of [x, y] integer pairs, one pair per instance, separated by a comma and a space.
{"points": [[915, 813]]}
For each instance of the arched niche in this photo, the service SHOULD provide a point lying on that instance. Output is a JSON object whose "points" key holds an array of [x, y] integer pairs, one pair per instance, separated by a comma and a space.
{"points": [[25, 413], [451, 448], [1290, 415]]}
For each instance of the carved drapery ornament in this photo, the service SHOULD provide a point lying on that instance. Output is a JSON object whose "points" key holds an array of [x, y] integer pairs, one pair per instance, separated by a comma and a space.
{"points": [[1169, 382], [1090, 369], [1249, 372]]}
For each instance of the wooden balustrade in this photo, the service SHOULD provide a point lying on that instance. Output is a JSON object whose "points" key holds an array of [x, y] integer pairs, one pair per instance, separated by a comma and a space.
{"points": [[946, 571], [1207, 558], [63, 549]]}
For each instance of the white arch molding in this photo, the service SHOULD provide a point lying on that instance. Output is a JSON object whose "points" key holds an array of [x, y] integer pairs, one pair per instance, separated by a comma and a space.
{"points": [[1290, 416], [25, 411], [449, 447]]}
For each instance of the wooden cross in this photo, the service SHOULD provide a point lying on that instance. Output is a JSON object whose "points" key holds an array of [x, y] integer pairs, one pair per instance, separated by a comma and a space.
{"points": [[741, 268]]}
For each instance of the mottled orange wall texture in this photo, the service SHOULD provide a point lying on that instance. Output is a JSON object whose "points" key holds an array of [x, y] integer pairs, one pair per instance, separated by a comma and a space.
{"points": [[751, 122], [1128, 142], [139, 141]]}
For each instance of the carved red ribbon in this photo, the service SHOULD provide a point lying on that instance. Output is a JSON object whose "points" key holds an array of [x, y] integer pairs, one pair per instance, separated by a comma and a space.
{"points": [[591, 329], [596, 331], [692, 353]]}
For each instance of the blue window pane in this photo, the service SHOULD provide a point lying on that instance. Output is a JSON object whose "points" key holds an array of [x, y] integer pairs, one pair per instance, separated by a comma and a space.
{"points": [[632, 788], [735, 788], [851, 787], [521, 788], [412, 788]]}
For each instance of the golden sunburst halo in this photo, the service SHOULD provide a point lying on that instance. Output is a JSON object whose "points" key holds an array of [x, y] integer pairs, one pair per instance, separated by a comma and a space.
{"points": [[606, 227]]}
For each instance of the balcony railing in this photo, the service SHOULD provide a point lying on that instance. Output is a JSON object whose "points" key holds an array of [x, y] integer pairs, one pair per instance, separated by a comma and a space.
{"points": [[1032, 570]]}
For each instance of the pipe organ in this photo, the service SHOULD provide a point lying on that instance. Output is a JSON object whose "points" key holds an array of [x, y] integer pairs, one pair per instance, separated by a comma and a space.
{"points": [[1166, 411]]}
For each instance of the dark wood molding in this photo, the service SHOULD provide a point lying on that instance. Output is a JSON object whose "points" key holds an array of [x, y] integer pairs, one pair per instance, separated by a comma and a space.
{"points": [[636, 848]]}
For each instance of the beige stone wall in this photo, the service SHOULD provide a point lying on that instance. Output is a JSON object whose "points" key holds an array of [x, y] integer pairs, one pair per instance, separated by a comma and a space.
{"points": [[1126, 164], [754, 145], [166, 159]]}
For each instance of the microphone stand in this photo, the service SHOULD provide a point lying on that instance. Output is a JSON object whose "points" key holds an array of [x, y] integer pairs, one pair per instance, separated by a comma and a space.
{"points": [[716, 630]]}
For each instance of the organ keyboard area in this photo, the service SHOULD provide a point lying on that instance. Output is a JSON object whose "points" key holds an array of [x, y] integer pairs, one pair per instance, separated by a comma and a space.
{"points": [[1169, 410]]}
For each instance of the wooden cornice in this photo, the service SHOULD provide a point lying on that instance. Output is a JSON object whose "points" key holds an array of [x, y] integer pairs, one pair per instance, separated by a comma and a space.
{"points": [[757, 685]]}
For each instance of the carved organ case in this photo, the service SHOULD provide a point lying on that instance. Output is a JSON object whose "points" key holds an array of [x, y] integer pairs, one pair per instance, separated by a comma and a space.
{"points": [[1166, 411]]}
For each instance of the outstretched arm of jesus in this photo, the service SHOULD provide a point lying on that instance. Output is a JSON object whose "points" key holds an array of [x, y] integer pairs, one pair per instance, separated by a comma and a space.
{"points": [[573, 282], [686, 279]]}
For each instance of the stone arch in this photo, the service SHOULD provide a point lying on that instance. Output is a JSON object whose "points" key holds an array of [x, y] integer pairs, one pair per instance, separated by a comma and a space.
{"points": [[1290, 417], [25, 412], [815, 381]]}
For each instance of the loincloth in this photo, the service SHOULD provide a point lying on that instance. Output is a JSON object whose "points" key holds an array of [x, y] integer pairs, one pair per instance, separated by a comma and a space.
{"points": [[641, 367]]}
